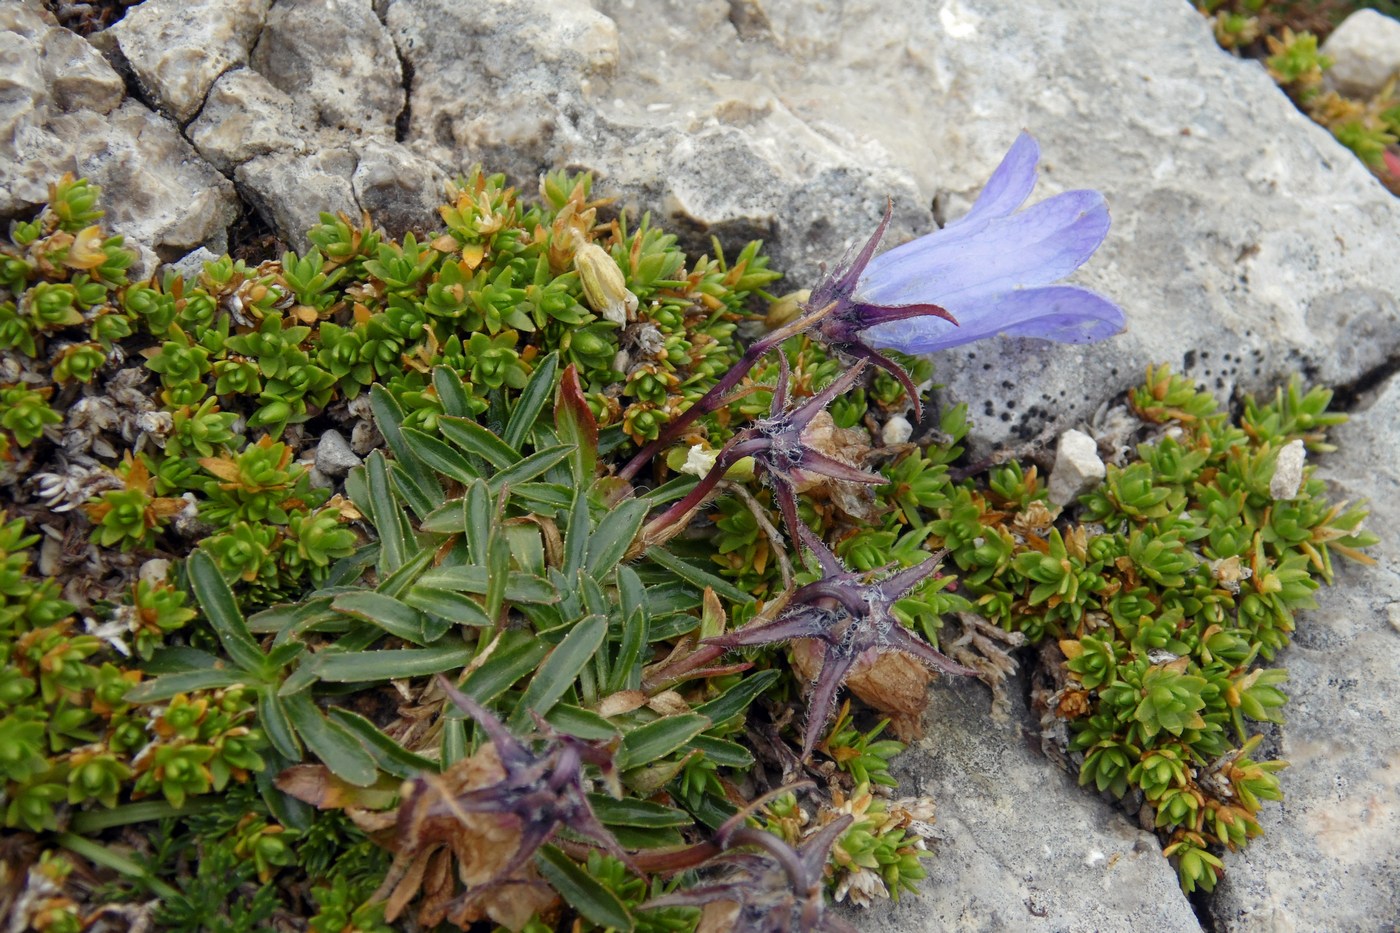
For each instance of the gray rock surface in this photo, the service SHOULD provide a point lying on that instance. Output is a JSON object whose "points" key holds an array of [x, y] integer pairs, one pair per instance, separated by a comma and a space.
{"points": [[246, 116], [1022, 847], [1328, 859], [336, 59], [178, 48], [1365, 53]]}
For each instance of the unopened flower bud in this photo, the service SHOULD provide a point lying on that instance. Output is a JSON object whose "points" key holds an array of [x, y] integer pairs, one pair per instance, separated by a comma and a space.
{"points": [[786, 308], [603, 285]]}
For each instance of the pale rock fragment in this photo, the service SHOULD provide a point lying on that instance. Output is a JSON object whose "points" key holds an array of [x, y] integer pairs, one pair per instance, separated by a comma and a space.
{"points": [[1078, 467]]}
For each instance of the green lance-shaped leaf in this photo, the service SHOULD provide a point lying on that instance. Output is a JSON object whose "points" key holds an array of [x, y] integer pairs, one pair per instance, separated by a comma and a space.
{"points": [[657, 739], [595, 902], [557, 674], [475, 439], [531, 402], [221, 609], [331, 742]]}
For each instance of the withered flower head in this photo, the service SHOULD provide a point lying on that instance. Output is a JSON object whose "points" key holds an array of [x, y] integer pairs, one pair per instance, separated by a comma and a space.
{"points": [[849, 616]]}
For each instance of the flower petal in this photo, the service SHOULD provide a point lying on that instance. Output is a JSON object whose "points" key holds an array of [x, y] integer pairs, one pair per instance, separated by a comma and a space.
{"points": [[1060, 312], [1009, 185], [1037, 246]]}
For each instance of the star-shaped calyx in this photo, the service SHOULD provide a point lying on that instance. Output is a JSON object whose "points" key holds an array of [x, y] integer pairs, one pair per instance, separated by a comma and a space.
{"points": [[850, 616]]}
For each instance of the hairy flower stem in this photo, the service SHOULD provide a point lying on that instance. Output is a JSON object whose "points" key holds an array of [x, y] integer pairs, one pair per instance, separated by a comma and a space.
{"points": [[711, 399]]}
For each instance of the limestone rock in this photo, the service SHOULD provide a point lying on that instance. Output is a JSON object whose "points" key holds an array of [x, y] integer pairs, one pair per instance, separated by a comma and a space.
{"points": [[45, 72], [291, 190], [1328, 859], [337, 60], [501, 83], [63, 110], [245, 116], [178, 48], [1022, 846], [1365, 53], [401, 190]]}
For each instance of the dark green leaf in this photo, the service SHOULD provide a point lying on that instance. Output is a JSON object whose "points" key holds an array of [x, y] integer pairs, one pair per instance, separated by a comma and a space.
{"points": [[421, 498], [478, 521], [520, 587], [537, 463], [391, 664], [395, 536], [509, 663], [497, 574], [613, 536], [543, 497], [400, 580], [451, 392], [595, 902], [700, 578], [331, 742], [557, 674], [576, 535], [737, 699], [272, 716], [721, 752], [388, 417], [167, 685], [225, 618], [392, 757], [585, 724], [531, 402], [457, 608], [630, 811], [627, 668], [475, 439], [387, 613], [442, 457], [657, 739]]}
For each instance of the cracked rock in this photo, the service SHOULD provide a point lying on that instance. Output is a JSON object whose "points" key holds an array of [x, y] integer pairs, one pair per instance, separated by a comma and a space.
{"points": [[292, 190], [497, 82], [177, 48], [336, 59], [401, 190], [246, 116]]}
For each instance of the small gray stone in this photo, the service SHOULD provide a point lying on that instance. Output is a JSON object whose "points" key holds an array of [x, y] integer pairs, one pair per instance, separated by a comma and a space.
{"points": [[190, 265], [364, 437], [334, 456], [1365, 53], [1078, 467], [177, 48], [1288, 470], [335, 58]]}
